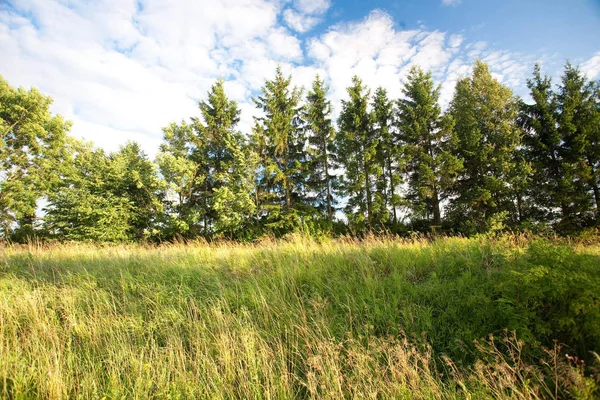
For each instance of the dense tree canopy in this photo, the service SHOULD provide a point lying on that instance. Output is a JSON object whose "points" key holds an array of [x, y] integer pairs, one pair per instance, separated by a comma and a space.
{"points": [[490, 161], [105, 197], [31, 149]]}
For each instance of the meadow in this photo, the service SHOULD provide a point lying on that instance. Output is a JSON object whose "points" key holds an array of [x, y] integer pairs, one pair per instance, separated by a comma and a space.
{"points": [[451, 318]]}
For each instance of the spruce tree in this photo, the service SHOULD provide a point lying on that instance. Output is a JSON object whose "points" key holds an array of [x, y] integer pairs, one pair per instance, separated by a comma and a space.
{"points": [[549, 190], [388, 178], [229, 177], [279, 141], [321, 150], [578, 126], [427, 141], [357, 153], [484, 113], [205, 163]]}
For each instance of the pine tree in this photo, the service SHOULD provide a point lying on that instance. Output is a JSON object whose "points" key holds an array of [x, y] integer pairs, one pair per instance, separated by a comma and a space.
{"points": [[233, 200], [388, 178], [357, 152], [279, 142], [484, 113], [321, 150], [427, 141]]}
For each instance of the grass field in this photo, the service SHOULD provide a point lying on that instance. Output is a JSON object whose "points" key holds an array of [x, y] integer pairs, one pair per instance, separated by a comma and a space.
{"points": [[380, 318]]}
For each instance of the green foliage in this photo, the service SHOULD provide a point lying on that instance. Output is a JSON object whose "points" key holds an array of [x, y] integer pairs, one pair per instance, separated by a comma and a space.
{"points": [[543, 149], [136, 180], [554, 293], [208, 170], [491, 163], [181, 175], [279, 142], [484, 113], [579, 129], [321, 150], [90, 217], [356, 146], [427, 141], [386, 155], [562, 143], [31, 145], [233, 201], [105, 198]]}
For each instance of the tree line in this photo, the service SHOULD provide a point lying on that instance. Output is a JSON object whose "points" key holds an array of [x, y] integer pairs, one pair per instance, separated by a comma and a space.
{"points": [[491, 161]]}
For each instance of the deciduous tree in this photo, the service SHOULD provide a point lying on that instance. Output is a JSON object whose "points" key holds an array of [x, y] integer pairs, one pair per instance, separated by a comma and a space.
{"points": [[32, 144], [484, 113]]}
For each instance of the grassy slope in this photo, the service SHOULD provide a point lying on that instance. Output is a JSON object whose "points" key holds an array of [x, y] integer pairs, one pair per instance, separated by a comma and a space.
{"points": [[299, 319]]}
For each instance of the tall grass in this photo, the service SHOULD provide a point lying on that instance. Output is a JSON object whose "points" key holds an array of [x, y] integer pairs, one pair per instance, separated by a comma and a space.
{"points": [[379, 318]]}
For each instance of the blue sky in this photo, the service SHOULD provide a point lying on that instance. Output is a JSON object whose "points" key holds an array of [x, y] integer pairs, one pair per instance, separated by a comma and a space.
{"points": [[122, 69], [571, 27]]}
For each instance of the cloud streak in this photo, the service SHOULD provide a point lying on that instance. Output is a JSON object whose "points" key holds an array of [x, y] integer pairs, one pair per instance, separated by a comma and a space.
{"points": [[451, 2]]}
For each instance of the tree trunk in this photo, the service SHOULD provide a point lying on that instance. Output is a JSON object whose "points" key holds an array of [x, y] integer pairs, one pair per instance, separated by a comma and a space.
{"points": [[328, 183], [392, 189], [519, 207], [437, 217], [288, 196], [368, 193], [594, 184], [555, 166]]}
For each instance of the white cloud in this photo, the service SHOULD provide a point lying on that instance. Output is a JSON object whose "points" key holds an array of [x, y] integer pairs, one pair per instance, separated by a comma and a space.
{"points": [[284, 46], [312, 6], [120, 70], [299, 22], [432, 51], [303, 76], [123, 69], [377, 52], [455, 40], [456, 70], [591, 68], [451, 2], [306, 14]]}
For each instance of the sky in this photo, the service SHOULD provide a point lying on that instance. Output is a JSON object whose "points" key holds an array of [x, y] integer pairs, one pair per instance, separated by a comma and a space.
{"points": [[122, 69]]}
